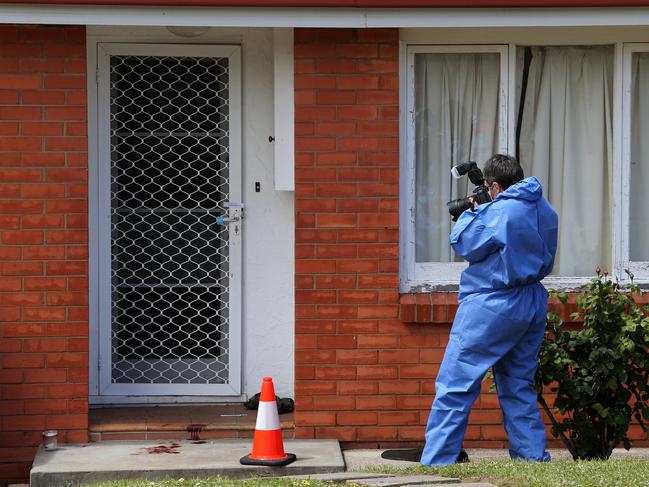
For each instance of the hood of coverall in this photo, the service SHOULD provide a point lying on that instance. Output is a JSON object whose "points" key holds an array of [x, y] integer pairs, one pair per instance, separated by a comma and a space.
{"points": [[508, 242]]}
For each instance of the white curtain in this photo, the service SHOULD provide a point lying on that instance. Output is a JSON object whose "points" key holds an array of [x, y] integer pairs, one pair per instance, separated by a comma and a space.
{"points": [[566, 141], [456, 120], [639, 230]]}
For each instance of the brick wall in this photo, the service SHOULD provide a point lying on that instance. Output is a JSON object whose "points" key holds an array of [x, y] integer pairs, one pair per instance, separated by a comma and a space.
{"points": [[43, 241], [362, 376], [366, 358]]}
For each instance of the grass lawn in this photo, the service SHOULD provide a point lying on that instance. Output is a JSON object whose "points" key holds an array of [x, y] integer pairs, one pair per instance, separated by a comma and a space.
{"points": [[611, 473]]}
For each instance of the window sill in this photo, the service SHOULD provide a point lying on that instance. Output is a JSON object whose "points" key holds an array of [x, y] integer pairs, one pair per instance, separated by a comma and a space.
{"points": [[440, 307]]}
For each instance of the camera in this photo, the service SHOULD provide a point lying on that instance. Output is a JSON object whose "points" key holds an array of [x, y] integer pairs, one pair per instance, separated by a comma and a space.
{"points": [[480, 193]]}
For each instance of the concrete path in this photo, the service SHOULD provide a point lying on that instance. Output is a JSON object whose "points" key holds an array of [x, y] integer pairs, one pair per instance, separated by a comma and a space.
{"points": [[117, 460]]}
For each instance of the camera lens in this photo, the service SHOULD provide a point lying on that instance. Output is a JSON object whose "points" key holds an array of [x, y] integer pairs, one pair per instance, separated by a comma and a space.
{"points": [[458, 206]]}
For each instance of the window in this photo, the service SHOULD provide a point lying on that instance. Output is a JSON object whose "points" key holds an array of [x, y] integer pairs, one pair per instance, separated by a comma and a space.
{"points": [[554, 108], [635, 255]]}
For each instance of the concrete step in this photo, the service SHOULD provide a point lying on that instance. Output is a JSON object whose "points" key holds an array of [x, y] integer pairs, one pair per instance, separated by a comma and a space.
{"points": [[121, 460], [179, 422]]}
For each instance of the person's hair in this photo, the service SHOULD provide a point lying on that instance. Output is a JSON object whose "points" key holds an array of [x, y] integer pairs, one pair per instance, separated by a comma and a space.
{"points": [[503, 169]]}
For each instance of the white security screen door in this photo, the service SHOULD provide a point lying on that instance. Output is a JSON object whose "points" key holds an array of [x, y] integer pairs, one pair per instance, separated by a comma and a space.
{"points": [[169, 133]]}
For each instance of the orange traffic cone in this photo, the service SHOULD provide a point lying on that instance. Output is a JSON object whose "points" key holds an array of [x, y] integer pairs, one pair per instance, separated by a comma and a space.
{"points": [[267, 444]]}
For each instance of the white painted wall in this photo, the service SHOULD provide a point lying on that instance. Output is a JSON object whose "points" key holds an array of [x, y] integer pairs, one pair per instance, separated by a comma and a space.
{"points": [[268, 323]]}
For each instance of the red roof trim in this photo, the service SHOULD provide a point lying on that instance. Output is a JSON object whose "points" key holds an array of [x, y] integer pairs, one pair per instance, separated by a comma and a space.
{"points": [[347, 3]]}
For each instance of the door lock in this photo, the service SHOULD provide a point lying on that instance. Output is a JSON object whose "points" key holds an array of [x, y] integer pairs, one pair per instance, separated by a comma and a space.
{"points": [[234, 213]]}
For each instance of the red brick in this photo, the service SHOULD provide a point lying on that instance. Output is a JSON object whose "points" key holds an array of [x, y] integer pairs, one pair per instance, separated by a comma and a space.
{"points": [[57, 360], [303, 297], [338, 341], [336, 282], [335, 251], [12, 222], [315, 266], [302, 113], [358, 144], [11, 376], [20, 143], [43, 253], [43, 221], [315, 143], [376, 434], [336, 311], [377, 341], [42, 159], [308, 418], [9, 128], [16, 237], [337, 158], [356, 265], [357, 296], [335, 128], [414, 402], [325, 189], [358, 174], [337, 433], [67, 81], [356, 418], [376, 372], [355, 113], [315, 356], [79, 97], [66, 144], [66, 206], [379, 97], [22, 361], [17, 81], [76, 421], [318, 204], [360, 236], [41, 128], [66, 236], [20, 113], [357, 387], [21, 269], [423, 371], [357, 327], [10, 345], [335, 66], [21, 298], [9, 97], [399, 418], [320, 174], [40, 65], [42, 97], [310, 82], [315, 387], [335, 372], [356, 357], [357, 205], [44, 314], [336, 220]]}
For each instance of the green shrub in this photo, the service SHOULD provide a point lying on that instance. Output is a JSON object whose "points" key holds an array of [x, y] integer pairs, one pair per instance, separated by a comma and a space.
{"points": [[598, 374]]}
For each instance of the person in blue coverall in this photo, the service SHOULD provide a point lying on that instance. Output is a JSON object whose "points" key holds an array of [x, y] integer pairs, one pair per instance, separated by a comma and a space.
{"points": [[510, 244]]}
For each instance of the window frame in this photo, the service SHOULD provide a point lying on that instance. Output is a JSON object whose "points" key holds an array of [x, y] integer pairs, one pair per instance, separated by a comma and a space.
{"points": [[640, 269], [442, 276], [420, 274]]}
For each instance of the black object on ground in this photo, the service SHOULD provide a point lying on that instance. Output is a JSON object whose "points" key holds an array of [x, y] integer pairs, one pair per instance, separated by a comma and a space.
{"points": [[414, 455], [284, 405]]}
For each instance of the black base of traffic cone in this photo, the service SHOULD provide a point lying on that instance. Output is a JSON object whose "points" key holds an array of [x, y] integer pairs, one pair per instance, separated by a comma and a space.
{"points": [[290, 457]]}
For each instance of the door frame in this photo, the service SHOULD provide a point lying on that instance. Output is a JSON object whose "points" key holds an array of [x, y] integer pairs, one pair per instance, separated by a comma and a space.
{"points": [[99, 200]]}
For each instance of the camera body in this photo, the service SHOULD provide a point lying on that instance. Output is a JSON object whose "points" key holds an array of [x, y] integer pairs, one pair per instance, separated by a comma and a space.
{"points": [[480, 193]]}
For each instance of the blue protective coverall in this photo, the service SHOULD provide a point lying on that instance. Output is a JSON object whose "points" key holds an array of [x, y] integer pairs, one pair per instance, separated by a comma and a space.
{"points": [[510, 244]]}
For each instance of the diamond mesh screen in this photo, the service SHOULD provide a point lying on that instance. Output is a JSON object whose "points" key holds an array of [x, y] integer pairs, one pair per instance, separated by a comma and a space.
{"points": [[169, 178]]}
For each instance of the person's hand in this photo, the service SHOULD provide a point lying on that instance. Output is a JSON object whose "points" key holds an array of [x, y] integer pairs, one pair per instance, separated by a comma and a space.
{"points": [[473, 202]]}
